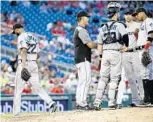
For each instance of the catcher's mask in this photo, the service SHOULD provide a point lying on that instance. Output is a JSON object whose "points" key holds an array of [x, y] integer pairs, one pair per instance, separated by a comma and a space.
{"points": [[113, 8]]}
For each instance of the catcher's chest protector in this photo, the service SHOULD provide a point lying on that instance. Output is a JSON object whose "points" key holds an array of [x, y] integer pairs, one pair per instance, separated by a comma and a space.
{"points": [[111, 36]]}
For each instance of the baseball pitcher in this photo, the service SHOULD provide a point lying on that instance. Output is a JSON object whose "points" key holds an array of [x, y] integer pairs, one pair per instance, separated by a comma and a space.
{"points": [[27, 70], [131, 62]]}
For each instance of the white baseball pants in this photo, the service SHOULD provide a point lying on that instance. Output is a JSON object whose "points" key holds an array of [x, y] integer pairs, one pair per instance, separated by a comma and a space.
{"points": [[84, 74], [110, 69], [34, 81], [131, 64]]}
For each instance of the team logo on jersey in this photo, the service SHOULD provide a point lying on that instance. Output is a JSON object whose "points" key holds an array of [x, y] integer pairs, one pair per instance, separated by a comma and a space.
{"points": [[142, 27], [151, 25], [130, 33]]}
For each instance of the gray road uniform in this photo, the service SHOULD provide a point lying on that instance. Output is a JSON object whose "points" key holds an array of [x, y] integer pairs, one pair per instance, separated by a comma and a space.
{"points": [[111, 61], [131, 64]]}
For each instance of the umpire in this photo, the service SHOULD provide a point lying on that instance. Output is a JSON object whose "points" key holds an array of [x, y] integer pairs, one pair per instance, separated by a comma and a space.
{"points": [[83, 45]]}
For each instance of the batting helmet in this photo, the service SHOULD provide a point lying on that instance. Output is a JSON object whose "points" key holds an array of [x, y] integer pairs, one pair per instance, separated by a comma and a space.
{"points": [[113, 8]]}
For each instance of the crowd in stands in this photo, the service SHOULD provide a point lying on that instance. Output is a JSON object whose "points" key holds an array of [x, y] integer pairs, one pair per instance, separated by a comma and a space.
{"points": [[55, 40]]}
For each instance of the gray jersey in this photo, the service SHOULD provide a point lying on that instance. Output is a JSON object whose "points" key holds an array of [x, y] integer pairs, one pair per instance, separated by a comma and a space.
{"points": [[83, 35], [117, 31], [82, 51], [130, 30]]}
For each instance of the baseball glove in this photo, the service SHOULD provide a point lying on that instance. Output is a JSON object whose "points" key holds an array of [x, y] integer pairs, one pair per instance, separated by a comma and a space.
{"points": [[25, 75], [146, 59]]}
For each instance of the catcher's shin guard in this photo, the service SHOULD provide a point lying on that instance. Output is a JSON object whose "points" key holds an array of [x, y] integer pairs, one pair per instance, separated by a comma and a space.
{"points": [[146, 86], [97, 106], [116, 92]]}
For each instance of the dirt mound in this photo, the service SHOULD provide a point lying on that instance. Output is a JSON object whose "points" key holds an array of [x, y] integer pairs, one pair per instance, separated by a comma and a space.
{"points": [[105, 115]]}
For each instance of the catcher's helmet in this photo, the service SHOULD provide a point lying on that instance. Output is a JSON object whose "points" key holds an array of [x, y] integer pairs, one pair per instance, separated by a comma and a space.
{"points": [[113, 8]]}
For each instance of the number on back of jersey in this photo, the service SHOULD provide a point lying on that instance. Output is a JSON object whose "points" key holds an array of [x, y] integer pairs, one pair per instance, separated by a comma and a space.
{"points": [[109, 35], [31, 43], [32, 48]]}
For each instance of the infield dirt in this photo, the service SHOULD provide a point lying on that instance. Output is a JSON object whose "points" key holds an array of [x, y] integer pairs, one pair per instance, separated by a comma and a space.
{"points": [[105, 115]]}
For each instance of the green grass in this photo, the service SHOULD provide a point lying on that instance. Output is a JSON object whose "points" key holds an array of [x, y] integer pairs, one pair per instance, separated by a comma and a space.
{"points": [[7, 116]]}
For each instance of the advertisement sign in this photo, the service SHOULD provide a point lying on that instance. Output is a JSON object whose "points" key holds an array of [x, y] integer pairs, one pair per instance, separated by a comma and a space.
{"points": [[34, 104]]}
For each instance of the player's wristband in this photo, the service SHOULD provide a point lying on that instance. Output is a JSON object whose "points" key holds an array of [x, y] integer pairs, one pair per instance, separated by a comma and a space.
{"points": [[147, 46], [150, 39]]}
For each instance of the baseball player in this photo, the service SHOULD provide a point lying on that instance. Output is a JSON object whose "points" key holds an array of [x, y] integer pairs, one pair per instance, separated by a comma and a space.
{"points": [[112, 38], [131, 62], [83, 45], [122, 88], [145, 45], [27, 70]]}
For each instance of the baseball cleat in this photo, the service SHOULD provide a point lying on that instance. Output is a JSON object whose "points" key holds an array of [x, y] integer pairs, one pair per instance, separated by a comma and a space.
{"points": [[113, 106], [97, 107], [53, 108], [16, 115], [144, 104], [87, 107], [132, 105], [119, 106]]}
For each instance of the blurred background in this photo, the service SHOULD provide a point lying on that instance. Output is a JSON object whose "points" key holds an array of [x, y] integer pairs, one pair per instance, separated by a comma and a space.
{"points": [[53, 22]]}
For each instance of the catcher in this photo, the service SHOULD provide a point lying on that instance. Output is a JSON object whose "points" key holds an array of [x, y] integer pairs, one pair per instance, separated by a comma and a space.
{"points": [[27, 71], [145, 45]]}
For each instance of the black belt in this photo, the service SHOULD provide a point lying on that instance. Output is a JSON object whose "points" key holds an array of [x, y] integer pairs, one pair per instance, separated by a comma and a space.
{"points": [[140, 47], [31, 53], [134, 49]]}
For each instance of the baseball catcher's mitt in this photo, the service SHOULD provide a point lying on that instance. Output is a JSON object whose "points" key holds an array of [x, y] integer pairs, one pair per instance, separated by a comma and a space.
{"points": [[146, 59], [25, 75]]}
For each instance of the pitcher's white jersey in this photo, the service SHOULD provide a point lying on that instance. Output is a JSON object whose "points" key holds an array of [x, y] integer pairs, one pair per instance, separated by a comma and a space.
{"points": [[30, 42], [145, 28], [130, 30]]}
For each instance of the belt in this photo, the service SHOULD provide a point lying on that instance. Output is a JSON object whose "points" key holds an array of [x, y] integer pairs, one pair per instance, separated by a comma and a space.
{"points": [[31, 53], [112, 49], [20, 60], [140, 47], [134, 49], [131, 50]]}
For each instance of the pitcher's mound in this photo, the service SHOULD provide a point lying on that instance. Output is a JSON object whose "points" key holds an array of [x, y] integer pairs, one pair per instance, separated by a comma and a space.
{"points": [[105, 115]]}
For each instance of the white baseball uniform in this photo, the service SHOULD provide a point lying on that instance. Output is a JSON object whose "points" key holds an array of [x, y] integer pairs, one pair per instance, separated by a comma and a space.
{"points": [[131, 64], [121, 87], [28, 41], [146, 72], [145, 28]]}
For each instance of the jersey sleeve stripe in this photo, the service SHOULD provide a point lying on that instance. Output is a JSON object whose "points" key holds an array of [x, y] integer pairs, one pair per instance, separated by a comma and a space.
{"points": [[150, 32]]}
